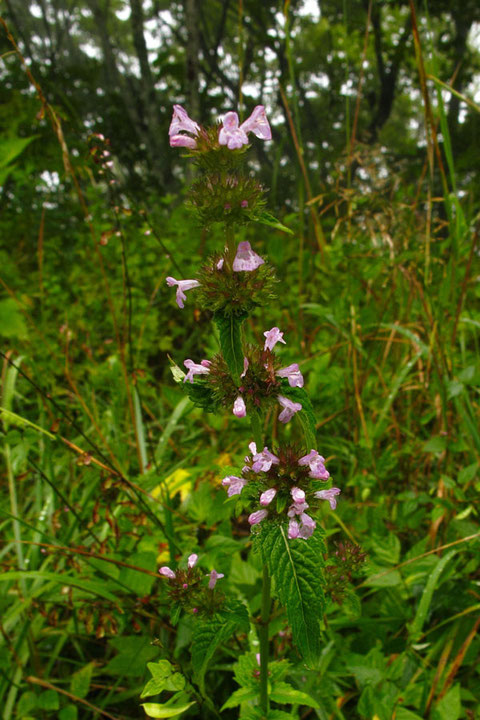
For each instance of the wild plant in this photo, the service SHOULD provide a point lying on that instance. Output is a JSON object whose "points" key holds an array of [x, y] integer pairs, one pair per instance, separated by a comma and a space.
{"points": [[280, 484]]}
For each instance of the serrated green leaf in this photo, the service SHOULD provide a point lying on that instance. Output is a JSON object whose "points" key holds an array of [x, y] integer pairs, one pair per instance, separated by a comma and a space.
{"points": [[155, 710], [450, 706], [295, 565], [208, 635], [163, 678], [241, 695], [200, 395], [229, 331], [267, 218], [282, 692]]}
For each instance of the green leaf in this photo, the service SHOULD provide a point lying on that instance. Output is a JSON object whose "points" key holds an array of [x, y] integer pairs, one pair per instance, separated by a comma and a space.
{"points": [[415, 629], [200, 394], [69, 712], [282, 692], [163, 678], [133, 654], [48, 700], [267, 218], [208, 635], [94, 588], [155, 710], [295, 565], [12, 323], [10, 148], [229, 331], [239, 696], [80, 681], [450, 706]]}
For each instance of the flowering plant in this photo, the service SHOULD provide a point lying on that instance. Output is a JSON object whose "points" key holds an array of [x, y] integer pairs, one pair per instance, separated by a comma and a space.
{"points": [[280, 487]]}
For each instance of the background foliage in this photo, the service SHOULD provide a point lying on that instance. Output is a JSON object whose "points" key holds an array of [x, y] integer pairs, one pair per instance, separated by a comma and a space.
{"points": [[110, 471]]}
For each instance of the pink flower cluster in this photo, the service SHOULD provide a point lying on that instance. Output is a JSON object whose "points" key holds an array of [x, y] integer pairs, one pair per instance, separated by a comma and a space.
{"points": [[231, 134], [245, 260], [300, 525], [191, 562]]}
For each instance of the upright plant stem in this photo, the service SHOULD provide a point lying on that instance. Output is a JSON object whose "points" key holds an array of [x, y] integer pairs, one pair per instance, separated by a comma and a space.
{"points": [[263, 636], [256, 426]]}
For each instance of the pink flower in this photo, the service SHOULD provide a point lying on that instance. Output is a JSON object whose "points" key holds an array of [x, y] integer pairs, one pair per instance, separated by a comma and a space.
{"points": [[329, 495], [297, 509], [257, 517], [267, 496], [230, 134], [194, 369], [262, 462], [166, 572], [298, 495], [316, 464], [245, 367], [289, 408], [293, 374], [214, 576], [183, 141], [234, 136], [273, 336], [258, 124], [239, 408], [234, 484], [307, 526], [219, 264], [182, 122], [192, 560], [246, 260], [182, 287], [293, 529]]}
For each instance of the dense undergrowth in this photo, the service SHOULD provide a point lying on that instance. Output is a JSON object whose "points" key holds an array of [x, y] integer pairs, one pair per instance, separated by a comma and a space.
{"points": [[109, 471]]}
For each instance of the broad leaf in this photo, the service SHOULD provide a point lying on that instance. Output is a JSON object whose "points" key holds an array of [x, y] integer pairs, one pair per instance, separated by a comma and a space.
{"points": [[295, 566], [155, 710], [282, 692], [208, 635], [229, 331], [163, 678]]}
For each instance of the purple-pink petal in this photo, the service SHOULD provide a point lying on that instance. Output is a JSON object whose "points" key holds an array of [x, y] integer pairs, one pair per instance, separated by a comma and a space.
{"points": [[183, 141], [273, 336], [293, 375], [262, 462], [289, 408], [230, 134], [257, 517], [258, 124], [267, 497], [182, 122], [234, 484], [214, 576], [329, 495], [293, 529], [166, 572], [239, 408], [192, 560], [245, 367], [196, 369], [246, 259], [298, 495], [182, 287]]}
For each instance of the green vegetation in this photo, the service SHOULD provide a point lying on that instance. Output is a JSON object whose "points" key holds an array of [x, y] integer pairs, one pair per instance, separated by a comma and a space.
{"points": [[109, 469]]}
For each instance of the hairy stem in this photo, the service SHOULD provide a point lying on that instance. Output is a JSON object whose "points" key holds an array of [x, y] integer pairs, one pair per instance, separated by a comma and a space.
{"points": [[263, 635]]}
